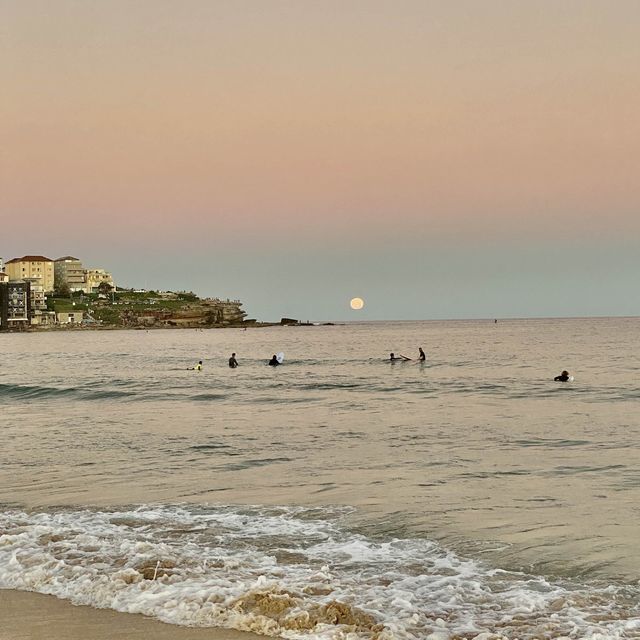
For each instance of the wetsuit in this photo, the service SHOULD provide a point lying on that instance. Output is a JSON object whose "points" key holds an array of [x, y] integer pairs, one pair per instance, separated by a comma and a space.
{"points": [[233, 363], [273, 362], [561, 378]]}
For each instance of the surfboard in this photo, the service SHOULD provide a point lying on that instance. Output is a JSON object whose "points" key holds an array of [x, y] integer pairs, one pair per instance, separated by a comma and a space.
{"points": [[280, 357]]}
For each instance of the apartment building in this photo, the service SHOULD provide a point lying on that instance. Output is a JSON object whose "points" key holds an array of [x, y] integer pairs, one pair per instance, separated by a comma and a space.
{"points": [[32, 267], [95, 277], [70, 272], [15, 305], [38, 302]]}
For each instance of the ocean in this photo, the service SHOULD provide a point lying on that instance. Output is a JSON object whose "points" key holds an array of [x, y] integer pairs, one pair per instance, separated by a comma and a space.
{"points": [[338, 495]]}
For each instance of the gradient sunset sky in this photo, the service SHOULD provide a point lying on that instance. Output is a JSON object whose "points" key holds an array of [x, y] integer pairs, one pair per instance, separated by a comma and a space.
{"points": [[438, 159]]}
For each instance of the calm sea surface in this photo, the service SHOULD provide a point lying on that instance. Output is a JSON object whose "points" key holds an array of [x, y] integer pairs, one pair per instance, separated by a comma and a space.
{"points": [[336, 496]]}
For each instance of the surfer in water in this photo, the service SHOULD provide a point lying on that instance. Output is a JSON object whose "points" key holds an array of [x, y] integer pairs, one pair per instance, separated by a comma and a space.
{"points": [[563, 377], [394, 358], [274, 361], [233, 363], [422, 357], [198, 367]]}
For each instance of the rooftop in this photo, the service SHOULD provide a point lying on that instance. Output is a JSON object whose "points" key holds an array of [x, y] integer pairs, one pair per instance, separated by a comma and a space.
{"points": [[29, 259], [64, 258]]}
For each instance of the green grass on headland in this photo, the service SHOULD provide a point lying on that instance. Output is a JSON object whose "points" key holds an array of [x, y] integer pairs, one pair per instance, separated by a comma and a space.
{"points": [[60, 305], [148, 308], [107, 315]]}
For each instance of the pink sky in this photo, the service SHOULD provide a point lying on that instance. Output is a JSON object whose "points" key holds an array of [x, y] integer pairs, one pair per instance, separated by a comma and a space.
{"points": [[343, 124]]}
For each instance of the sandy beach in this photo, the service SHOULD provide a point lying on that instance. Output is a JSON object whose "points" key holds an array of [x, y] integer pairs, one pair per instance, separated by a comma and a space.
{"points": [[32, 616]]}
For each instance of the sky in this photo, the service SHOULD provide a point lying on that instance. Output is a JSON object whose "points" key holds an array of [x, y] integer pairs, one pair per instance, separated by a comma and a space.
{"points": [[438, 159]]}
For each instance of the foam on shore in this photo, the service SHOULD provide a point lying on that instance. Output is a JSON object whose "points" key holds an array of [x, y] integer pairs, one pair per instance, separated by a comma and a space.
{"points": [[294, 573]]}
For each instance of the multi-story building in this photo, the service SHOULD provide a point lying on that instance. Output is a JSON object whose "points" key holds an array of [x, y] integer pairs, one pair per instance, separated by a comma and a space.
{"points": [[3, 276], [32, 267], [70, 272], [15, 305], [95, 277], [38, 302]]}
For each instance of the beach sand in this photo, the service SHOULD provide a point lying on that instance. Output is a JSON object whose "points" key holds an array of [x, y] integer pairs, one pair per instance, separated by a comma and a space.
{"points": [[32, 616]]}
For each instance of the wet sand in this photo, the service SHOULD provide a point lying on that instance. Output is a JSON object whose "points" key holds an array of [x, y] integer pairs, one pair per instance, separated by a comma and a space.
{"points": [[32, 616]]}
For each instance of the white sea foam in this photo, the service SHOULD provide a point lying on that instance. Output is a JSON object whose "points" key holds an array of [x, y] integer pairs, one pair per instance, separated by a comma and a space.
{"points": [[293, 573]]}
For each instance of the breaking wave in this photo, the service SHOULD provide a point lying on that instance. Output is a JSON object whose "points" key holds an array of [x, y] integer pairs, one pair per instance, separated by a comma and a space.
{"points": [[294, 573]]}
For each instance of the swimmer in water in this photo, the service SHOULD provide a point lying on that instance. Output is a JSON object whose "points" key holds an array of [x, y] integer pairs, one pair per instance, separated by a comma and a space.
{"points": [[394, 358], [422, 357], [198, 367], [563, 377], [274, 361], [233, 363]]}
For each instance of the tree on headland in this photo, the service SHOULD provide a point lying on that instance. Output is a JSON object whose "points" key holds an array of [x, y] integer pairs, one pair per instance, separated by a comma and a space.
{"points": [[61, 290], [104, 288], [188, 296]]}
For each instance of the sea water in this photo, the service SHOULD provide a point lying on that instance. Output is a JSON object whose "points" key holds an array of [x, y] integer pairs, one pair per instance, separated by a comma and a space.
{"points": [[338, 495]]}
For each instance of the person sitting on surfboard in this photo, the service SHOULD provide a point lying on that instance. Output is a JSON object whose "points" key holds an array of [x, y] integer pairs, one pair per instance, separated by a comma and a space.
{"points": [[274, 361], [198, 367], [563, 377], [233, 363], [394, 358], [422, 357]]}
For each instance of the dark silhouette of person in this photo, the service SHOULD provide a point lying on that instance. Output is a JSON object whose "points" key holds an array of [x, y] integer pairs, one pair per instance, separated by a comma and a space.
{"points": [[563, 377], [394, 358], [274, 361], [198, 367], [233, 363], [422, 357]]}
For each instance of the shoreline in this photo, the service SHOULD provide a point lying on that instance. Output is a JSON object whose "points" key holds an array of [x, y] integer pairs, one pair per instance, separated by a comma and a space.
{"points": [[256, 325], [26, 615], [55, 329]]}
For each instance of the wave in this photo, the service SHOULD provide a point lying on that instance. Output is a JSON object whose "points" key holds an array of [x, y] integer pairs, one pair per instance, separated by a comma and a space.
{"points": [[276, 391], [26, 392], [204, 397], [295, 573], [39, 392]]}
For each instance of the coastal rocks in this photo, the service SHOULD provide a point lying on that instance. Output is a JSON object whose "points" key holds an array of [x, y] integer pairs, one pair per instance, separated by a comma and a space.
{"points": [[206, 313], [292, 322]]}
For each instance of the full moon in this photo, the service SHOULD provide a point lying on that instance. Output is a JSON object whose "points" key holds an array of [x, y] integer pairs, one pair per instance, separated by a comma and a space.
{"points": [[357, 303]]}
